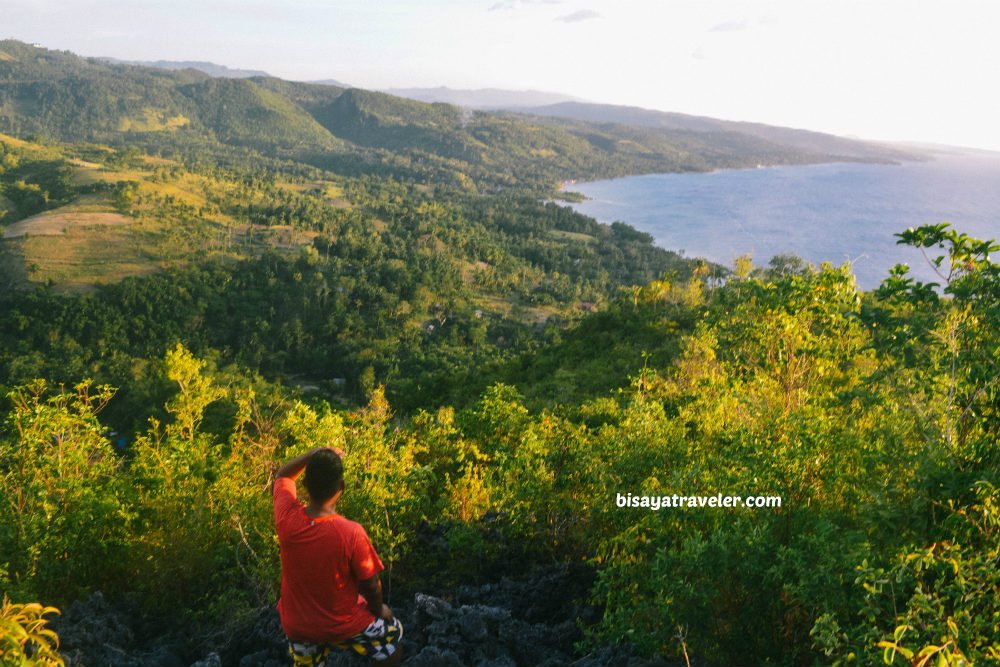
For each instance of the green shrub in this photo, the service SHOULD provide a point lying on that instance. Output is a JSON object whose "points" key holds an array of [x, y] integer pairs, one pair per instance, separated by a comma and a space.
{"points": [[24, 639]]}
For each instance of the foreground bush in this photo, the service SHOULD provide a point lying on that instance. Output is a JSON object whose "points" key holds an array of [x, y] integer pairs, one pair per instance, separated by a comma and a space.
{"points": [[24, 639], [872, 417]]}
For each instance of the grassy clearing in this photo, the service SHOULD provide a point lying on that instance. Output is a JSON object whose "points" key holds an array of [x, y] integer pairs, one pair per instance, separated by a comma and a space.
{"points": [[333, 193], [172, 221], [536, 315], [318, 186], [159, 161], [330, 192], [86, 211], [12, 142], [561, 235], [152, 120], [81, 256], [36, 151], [85, 173], [80, 162], [115, 175], [84, 257], [188, 189]]}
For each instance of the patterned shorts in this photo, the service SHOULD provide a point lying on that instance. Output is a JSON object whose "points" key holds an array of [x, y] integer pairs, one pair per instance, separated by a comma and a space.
{"points": [[378, 641]]}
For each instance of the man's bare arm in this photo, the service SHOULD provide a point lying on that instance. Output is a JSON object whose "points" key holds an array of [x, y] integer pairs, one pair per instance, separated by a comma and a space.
{"points": [[295, 467], [371, 590]]}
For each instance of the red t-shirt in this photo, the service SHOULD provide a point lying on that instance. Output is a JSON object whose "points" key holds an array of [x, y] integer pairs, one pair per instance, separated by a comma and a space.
{"points": [[322, 561]]}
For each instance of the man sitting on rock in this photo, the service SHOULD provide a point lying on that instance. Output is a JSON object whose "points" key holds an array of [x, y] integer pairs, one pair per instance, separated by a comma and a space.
{"points": [[331, 595]]}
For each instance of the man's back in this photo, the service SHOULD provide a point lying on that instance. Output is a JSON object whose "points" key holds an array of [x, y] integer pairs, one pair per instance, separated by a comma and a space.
{"points": [[322, 562]]}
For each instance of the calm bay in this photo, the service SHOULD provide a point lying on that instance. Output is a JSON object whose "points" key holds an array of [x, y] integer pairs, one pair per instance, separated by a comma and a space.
{"points": [[823, 213]]}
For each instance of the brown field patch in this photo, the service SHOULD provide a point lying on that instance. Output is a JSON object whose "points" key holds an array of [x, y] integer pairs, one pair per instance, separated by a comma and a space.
{"points": [[61, 220], [78, 162], [113, 176], [158, 161], [302, 187], [83, 258]]}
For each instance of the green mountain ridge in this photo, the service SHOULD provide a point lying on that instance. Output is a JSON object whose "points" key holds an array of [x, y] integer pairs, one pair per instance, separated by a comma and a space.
{"points": [[68, 98], [239, 112], [212, 69]]}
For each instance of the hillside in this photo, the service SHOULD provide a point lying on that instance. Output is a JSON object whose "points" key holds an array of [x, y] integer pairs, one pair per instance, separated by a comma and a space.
{"points": [[428, 281], [68, 98]]}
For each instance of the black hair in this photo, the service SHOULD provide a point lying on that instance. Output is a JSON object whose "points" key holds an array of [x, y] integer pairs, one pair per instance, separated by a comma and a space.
{"points": [[323, 474]]}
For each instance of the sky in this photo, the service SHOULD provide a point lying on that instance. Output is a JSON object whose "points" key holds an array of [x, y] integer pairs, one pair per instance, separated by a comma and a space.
{"points": [[895, 70]]}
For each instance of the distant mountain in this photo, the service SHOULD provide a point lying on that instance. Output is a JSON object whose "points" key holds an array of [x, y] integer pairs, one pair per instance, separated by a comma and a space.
{"points": [[827, 144], [483, 98], [944, 149], [330, 82], [64, 97], [556, 105], [211, 69]]}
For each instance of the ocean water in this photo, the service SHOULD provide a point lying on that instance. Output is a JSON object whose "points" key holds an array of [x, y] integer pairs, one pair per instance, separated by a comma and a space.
{"points": [[836, 213]]}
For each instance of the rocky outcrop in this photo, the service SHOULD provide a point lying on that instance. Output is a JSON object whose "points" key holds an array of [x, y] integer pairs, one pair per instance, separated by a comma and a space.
{"points": [[500, 624], [93, 633]]}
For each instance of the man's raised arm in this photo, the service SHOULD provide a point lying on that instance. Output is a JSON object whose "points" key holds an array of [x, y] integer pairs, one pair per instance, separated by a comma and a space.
{"points": [[294, 468]]}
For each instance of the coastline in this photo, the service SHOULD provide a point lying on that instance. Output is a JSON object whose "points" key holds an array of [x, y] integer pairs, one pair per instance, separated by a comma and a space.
{"points": [[829, 212]]}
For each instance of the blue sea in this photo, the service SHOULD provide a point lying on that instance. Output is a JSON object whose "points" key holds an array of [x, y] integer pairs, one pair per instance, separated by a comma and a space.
{"points": [[842, 212]]}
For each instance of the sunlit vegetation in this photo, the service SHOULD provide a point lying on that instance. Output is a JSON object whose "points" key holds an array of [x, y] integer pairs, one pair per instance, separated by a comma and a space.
{"points": [[181, 312], [793, 385]]}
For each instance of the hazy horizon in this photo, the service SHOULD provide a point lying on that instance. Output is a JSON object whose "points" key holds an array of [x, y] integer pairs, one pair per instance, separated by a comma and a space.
{"points": [[878, 70]]}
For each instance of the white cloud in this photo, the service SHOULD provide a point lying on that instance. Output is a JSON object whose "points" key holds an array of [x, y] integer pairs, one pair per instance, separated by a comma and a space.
{"points": [[576, 17], [730, 26]]}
